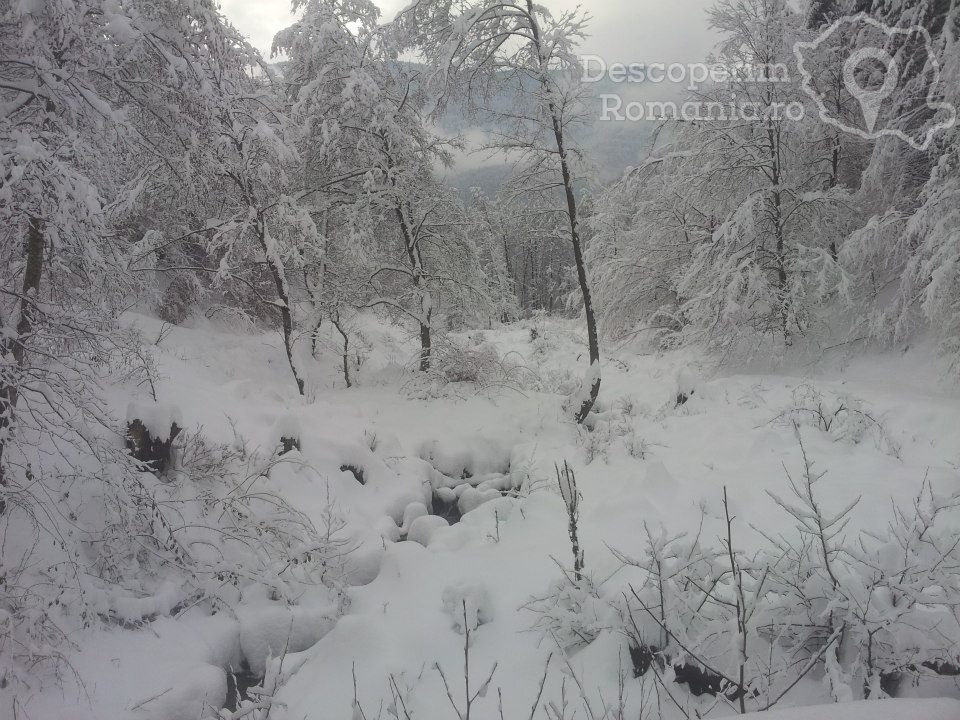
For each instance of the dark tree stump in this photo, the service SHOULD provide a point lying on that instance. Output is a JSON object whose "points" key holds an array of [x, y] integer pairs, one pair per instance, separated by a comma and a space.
{"points": [[153, 451]]}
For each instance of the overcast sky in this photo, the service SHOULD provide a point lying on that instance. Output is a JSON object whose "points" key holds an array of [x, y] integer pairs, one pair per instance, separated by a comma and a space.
{"points": [[642, 31]]}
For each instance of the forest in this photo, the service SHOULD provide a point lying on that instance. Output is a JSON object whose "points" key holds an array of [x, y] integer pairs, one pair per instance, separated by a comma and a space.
{"points": [[300, 420]]}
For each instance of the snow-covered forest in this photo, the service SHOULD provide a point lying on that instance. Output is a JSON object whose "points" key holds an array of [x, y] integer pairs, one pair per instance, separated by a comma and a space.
{"points": [[296, 426]]}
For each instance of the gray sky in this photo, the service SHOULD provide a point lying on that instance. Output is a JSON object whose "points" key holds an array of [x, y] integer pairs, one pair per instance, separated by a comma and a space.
{"points": [[642, 31]]}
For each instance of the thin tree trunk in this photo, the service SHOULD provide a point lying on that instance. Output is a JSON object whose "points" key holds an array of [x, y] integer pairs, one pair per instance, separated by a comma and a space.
{"points": [[33, 272], [283, 304], [835, 149], [335, 319], [593, 343], [773, 138], [416, 263], [426, 346], [312, 289]]}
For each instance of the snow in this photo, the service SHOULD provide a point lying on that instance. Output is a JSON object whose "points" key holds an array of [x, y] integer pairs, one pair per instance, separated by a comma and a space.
{"points": [[468, 606], [893, 709], [412, 512], [408, 574], [272, 631], [423, 529], [191, 694], [157, 418], [286, 426]]}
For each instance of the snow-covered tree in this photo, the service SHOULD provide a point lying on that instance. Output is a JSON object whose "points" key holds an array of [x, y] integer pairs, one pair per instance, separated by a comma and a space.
{"points": [[731, 231], [481, 45], [768, 262], [645, 229], [904, 255], [111, 117], [363, 119]]}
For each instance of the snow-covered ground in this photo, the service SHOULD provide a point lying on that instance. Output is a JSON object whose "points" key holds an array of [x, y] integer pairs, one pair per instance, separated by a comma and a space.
{"points": [[410, 578]]}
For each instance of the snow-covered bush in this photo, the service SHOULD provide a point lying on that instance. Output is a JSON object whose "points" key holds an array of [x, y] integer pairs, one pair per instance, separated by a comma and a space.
{"points": [[595, 441], [570, 613], [879, 598], [844, 418], [745, 628], [456, 361], [636, 445], [131, 547], [459, 362], [179, 299]]}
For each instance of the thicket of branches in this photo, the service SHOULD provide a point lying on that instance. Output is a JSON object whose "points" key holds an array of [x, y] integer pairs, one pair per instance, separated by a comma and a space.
{"points": [[710, 624]]}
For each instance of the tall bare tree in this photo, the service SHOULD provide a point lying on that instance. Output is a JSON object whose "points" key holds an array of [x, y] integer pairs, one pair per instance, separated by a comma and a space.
{"points": [[484, 47]]}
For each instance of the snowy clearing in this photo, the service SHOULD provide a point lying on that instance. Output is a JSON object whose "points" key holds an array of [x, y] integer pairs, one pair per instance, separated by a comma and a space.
{"points": [[651, 465]]}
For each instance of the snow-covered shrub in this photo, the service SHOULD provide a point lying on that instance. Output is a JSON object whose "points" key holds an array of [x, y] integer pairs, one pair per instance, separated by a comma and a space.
{"points": [[204, 462], [560, 381], [244, 537], [843, 417], [867, 612], [693, 615], [628, 406], [594, 441], [134, 359], [458, 362], [455, 362], [636, 445], [570, 612], [886, 600], [179, 299], [31, 640], [132, 547]]}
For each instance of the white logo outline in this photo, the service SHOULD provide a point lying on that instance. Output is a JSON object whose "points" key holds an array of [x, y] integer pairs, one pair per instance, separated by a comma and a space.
{"points": [[873, 133]]}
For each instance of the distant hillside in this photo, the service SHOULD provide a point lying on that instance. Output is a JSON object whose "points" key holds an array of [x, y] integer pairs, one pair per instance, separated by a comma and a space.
{"points": [[610, 146]]}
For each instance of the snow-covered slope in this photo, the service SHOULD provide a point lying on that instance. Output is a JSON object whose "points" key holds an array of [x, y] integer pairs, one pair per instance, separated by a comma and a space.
{"points": [[384, 639]]}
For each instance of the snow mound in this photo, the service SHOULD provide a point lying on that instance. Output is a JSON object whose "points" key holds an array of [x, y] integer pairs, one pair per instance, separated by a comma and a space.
{"points": [[271, 631], [413, 511], [191, 695], [462, 459], [424, 528], [157, 418], [468, 605], [471, 498], [286, 426]]}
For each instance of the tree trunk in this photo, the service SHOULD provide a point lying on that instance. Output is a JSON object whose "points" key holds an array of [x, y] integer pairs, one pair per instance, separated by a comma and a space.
{"points": [[773, 138], [593, 375], [835, 149], [335, 319], [314, 291], [9, 395], [416, 264], [283, 296]]}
